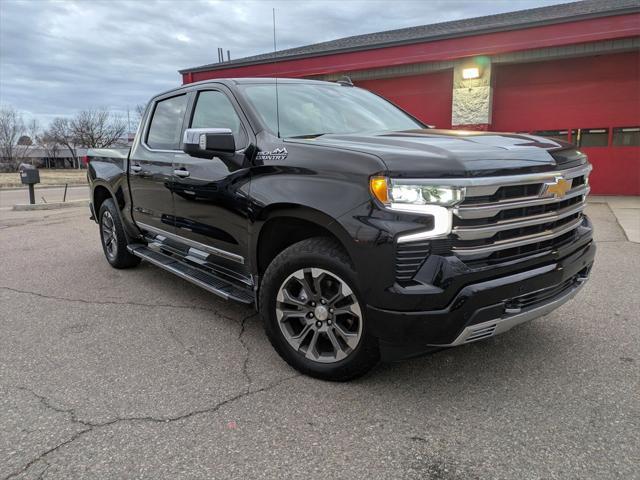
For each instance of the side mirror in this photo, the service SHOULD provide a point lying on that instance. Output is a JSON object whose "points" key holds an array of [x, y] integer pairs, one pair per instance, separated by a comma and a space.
{"points": [[208, 142]]}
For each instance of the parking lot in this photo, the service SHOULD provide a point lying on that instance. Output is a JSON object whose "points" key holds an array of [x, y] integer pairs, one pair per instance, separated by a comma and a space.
{"points": [[138, 374]]}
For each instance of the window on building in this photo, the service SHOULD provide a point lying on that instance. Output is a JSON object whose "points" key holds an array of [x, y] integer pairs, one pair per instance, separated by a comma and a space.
{"points": [[626, 137], [214, 110], [593, 137], [166, 123]]}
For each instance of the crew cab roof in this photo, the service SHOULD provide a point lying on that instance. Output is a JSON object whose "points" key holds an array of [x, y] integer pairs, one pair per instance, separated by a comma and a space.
{"points": [[232, 82]]}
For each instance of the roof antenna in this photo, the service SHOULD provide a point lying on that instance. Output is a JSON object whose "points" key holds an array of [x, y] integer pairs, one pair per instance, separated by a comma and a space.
{"points": [[275, 53], [345, 81]]}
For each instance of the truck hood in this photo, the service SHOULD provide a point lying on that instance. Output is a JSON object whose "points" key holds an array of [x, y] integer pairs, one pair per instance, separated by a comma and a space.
{"points": [[455, 153]]}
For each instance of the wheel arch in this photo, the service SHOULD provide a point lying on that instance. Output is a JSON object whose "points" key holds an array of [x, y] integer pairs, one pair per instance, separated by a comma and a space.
{"points": [[283, 225]]}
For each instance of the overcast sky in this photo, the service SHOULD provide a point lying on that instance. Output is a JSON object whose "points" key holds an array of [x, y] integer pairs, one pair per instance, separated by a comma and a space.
{"points": [[58, 57]]}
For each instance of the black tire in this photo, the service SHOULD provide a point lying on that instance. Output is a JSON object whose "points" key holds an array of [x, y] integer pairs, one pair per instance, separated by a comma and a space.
{"points": [[321, 254], [113, 238]]}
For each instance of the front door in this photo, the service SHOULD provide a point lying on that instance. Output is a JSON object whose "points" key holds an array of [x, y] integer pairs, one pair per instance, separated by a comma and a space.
{"points": [[151, 165], [211, 196]]}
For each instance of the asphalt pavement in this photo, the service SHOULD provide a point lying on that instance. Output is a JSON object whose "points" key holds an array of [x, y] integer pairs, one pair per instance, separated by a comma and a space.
{"points": [[111, 374]]}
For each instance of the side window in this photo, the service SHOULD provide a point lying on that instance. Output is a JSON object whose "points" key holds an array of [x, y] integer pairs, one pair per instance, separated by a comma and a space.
{"points": [[214, 110], [166, 123]]}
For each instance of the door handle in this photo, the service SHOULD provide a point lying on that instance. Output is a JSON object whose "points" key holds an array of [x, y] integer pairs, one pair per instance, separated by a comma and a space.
{"points": [[181, 173], [136, 168]]}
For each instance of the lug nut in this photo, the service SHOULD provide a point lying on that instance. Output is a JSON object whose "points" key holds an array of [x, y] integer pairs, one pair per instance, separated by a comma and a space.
{"points": [[310, 314], [318, 324], [323, 301], [331, 310], [329, 322], [313, 304]]}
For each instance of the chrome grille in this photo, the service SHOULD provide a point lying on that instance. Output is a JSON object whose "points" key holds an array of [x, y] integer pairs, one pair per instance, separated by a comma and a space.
{"points": [[498, 221]]}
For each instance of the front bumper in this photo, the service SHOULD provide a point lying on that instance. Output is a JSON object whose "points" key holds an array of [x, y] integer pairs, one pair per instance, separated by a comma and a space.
{"points": [[482, 310]]}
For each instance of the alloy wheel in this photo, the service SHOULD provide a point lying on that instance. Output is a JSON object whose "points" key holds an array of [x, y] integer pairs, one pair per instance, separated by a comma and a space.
{"points": [[319, 315], [109, 236]]}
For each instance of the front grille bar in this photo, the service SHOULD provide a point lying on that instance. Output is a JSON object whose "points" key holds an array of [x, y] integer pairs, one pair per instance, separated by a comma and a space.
{"points": [[517, 242], [488, 231], [488, 210]]}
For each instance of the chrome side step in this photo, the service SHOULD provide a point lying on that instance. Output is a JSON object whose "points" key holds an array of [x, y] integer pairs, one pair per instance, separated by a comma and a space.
{"points": [[208, 281]]}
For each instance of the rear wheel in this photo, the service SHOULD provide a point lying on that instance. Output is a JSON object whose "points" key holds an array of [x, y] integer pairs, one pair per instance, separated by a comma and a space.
{"points": [[312, 312], [112, 236]]}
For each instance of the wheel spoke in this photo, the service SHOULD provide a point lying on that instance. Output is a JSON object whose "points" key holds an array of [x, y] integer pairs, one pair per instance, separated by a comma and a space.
{"points": [[286, 297], [311, 350], [285, 314], [337, 346], [350, 339], [302, 280], [350, 309], [317, 276], [296, 340]]}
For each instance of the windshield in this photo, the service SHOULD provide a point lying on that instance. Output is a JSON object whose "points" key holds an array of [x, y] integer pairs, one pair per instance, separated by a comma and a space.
{"points": [[313, 109]]}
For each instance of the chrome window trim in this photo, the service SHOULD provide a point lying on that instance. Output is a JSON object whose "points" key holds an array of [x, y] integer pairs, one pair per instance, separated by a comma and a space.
{"points": [[201, 246], [147, 123]]}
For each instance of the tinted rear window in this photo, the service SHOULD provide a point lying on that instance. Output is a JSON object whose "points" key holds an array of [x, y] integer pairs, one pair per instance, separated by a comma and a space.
{"points": [[166, 123]]}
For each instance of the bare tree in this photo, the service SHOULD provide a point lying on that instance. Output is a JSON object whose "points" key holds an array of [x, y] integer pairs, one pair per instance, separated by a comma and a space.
{"points": [[139, 111], [50, 146], [15, 136], [97, 128], [61, 132]]}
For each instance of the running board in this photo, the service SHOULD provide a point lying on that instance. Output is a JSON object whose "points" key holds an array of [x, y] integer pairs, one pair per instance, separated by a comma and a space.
{"points": [[208, 281]]}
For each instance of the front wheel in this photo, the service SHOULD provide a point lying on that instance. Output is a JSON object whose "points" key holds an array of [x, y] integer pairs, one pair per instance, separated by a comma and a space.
{"points": [[112, 236], [312, 312]]}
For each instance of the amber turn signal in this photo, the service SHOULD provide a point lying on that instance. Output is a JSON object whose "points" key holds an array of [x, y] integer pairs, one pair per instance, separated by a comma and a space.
{"points": [[379, 188]]}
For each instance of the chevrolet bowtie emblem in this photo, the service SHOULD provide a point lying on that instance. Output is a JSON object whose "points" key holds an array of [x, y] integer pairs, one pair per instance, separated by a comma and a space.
{"points": [[558, 188]]}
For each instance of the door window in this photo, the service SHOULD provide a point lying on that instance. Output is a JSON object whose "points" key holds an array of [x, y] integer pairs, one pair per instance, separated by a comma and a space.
{"points": [[166, 123], [214, 110]]}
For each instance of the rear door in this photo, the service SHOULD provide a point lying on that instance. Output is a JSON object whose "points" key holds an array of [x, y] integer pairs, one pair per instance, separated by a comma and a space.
{"points": [[151, 165], [211, 197]]}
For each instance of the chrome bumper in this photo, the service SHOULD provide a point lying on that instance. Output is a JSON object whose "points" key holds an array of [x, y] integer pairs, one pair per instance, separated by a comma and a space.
{"points": [[491, 328]]}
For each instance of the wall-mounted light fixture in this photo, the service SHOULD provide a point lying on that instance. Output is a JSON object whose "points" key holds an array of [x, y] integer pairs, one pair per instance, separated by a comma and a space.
{"points": [[470, 73]]}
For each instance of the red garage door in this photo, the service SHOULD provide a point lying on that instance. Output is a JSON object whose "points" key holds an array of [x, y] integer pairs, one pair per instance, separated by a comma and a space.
{"points": [[427, 97], [593, 101]]}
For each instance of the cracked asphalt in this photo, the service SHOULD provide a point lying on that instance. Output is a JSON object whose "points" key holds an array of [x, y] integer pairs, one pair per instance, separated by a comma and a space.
{"points": [[138, 374]]}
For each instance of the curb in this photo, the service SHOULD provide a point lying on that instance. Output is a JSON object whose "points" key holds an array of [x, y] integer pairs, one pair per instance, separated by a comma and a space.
{"points": [[24, 207], [40, 186]]}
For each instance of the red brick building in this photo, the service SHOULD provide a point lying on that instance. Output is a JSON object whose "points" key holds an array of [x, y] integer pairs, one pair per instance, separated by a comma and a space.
{"points": [[569, 70]]}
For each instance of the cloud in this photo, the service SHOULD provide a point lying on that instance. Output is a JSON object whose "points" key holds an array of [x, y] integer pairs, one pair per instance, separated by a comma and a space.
{"points": [[60, 57]]}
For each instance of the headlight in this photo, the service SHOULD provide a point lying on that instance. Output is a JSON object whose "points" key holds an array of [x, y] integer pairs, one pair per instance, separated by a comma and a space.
{"points": [[398, 194], [419, 197]]}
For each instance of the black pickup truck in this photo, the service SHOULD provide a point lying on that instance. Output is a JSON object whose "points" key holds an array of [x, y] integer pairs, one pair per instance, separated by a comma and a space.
{"points": [[357, 231]]}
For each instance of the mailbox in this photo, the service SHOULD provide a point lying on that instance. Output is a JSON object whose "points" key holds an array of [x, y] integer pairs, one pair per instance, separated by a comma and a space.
{"points": [[29, 174]]}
